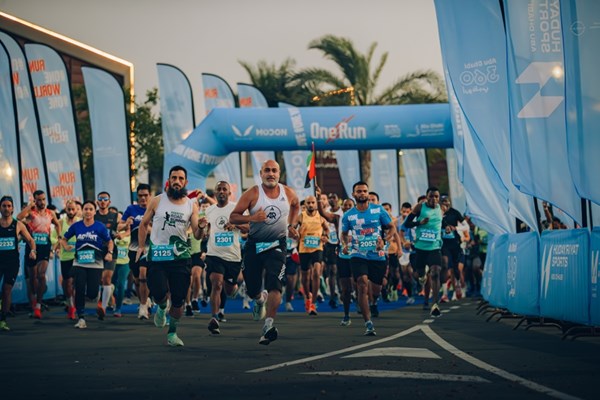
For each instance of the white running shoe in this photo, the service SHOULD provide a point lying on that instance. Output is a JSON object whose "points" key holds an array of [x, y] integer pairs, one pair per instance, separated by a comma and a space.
{"points": [[173, 340], [143, 312], [81, 324]]}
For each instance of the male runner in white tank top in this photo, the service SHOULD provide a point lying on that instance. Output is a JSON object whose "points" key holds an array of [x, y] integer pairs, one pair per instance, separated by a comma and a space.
{"points": [[171, 213], [273, 211]]}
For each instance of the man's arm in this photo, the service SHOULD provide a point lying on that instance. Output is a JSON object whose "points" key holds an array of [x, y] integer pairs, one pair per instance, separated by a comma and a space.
{"points": [[410, 222], [198, 226], [24, 233], [237, 216], [25, 212]]}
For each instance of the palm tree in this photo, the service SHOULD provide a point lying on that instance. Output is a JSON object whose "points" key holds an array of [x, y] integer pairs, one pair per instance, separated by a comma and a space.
{"points": [[358, 74], [277, 83]]}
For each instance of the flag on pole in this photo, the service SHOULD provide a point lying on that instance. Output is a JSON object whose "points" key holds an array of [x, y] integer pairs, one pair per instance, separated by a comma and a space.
{"points": [[311, 169]]}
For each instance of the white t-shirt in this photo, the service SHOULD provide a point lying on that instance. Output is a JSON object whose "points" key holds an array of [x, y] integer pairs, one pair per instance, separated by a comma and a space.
{"points": [[221, 242]]}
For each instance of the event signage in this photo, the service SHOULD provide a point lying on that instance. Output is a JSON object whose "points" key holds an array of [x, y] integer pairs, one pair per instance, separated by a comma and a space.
{"points": [[57, 122]]}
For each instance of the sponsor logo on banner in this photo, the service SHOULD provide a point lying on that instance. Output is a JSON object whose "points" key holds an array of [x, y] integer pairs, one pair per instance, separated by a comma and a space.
{"points": [[511, 272], [271, 132], [298, 173], [540, 73], [241, 134], [55, 133], [392, 131], [478, 75], [340, 131], [298, 126], [211, 93], [432, 129], [555, 261], [245, 101], [196, 156]]}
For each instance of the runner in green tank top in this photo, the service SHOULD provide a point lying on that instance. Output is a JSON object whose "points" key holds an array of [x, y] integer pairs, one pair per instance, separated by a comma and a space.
{"points": [[427, 218]]}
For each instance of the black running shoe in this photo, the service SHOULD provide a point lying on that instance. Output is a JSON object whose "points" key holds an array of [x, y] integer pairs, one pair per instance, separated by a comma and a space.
{"points": [[195, 305], [213, 326], [268, 336], [188, 311]]}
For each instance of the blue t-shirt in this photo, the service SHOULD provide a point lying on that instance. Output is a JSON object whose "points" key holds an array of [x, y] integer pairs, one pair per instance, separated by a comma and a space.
{"points": [[136, 212], [90, 241], [367, 229]]}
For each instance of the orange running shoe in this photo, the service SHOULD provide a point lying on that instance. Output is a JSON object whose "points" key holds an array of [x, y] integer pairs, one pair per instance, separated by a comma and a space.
{"points": [[307, 305], [37, 313], [71, 314], [100, 311], [313, 309]]}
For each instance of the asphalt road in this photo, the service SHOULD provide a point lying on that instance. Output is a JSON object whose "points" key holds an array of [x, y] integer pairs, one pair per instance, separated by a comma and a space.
{"points": [[456, 356]]}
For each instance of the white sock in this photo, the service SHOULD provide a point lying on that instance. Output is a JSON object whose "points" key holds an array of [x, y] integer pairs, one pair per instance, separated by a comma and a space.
{"points": [[106, 293], [269, 322]]}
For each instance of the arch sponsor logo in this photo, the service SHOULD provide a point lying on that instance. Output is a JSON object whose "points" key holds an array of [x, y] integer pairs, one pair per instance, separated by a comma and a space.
{"points": [[258, 132], [342, 130]]}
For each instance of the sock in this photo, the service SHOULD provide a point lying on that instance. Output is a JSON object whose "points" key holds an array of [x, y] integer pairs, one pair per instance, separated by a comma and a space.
{"points": [[173, 324], [269, 322], [222, 310], [38, 306], [106, 293]]}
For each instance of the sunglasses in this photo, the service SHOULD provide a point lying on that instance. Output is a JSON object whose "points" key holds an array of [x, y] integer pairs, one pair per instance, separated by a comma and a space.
{"points": [[103, 198]]}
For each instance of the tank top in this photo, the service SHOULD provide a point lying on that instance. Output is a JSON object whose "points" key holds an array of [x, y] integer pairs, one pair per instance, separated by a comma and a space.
{"points": [[277, 210], [429, 235], [39, 226], [222, 243], [335, 230], [9, 244], [168, 238], [310, 233]]}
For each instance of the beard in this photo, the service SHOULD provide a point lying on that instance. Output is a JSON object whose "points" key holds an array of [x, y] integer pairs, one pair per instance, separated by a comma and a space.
{"points": [[176, 194]]}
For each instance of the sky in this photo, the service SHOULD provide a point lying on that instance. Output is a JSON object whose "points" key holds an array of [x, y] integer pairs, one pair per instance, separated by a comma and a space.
{"points": [[212, 36]]}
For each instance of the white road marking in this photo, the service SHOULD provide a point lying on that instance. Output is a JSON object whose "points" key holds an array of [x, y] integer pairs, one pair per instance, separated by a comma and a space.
{"points": [[395, 352], [371, 373], [494, 370], [428, 321], [445, 311], [337, 352], [454, 307]]}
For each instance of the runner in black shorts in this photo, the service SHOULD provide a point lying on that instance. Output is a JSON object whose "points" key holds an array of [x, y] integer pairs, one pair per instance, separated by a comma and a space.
{"points": [[10, 232]]}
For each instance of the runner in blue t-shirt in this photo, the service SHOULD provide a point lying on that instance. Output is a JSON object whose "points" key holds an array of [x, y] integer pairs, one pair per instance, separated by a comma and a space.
{"points": [[91, 237], [366, 249], [131, 219]]}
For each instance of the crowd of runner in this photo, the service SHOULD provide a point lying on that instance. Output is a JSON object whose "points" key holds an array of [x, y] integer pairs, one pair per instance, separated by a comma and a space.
{"points": [[182, 250]]}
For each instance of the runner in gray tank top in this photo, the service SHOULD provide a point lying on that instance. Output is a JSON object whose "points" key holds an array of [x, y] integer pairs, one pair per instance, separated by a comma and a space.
{"points": [[273, 211]]}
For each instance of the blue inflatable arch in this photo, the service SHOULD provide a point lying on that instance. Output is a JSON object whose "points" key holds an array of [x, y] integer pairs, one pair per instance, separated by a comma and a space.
{"points": [[226, 130]]}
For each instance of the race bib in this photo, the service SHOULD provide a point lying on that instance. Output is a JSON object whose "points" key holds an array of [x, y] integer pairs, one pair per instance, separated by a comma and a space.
{"points": [[86, 256], [224, 239], [289, 243], [40, 238], [264, 246], [333, 237], [162, 252], [121, 252], [367, 243], [311, 242], [428, 235], [448, 235], [7, 243]]}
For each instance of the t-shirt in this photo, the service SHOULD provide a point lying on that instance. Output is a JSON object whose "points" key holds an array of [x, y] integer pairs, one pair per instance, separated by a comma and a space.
{"points": [[452, 217], [367, 230], [221, 242], [89, 243], [136, 212]]}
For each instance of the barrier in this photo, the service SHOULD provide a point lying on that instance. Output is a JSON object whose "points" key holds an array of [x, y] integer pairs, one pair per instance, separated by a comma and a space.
{"points": [[493, 284], [523, 274], [564, 279], [595, 275]]}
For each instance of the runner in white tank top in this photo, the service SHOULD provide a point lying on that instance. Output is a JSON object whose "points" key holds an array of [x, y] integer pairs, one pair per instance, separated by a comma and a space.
{"points": [[273, 210]]}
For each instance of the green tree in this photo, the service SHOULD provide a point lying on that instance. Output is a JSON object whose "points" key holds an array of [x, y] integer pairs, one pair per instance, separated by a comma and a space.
{"points": [[277, 83], [146, 127]]}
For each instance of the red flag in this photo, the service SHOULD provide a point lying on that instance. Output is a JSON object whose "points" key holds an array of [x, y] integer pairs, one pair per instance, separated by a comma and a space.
{"points": [[311, 169]]}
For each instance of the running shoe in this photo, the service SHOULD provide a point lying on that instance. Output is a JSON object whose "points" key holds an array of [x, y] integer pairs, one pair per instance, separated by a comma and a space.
{"points": [[143, 312], [269, 335], [221, 317], [71, 314], [370, 329], [259, 311], [289, 307], [173, 340], [333, 303], [313, 309], [4, 326], [81, 324], [117, 313], [374, 310], [195, 305], [444, 299], [160, 317], [435, 310], [246, 303], [204, 301], [100, 311], [346, 321], [37, 313], [188, 311], [307, 305], [213, 326], [410, 300]]}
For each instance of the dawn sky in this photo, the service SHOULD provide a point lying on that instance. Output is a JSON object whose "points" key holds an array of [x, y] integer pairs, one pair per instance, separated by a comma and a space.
{"points": [[212, 36]]}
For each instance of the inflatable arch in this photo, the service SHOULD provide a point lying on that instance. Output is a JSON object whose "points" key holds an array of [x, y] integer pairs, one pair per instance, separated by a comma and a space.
{"points": [[226, 130]]}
